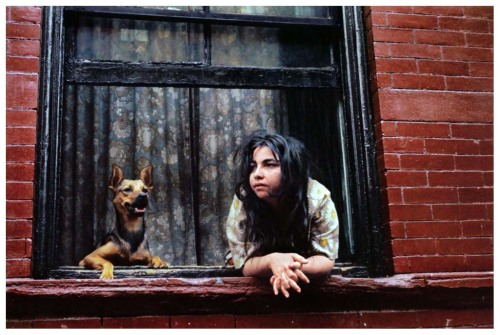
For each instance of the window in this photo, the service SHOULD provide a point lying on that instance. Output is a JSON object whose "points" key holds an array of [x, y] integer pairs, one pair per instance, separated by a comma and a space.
{"points": [[178, 88]]}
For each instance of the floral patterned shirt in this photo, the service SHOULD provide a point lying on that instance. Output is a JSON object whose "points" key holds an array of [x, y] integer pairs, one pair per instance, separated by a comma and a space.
{"points": [[323, 230]]}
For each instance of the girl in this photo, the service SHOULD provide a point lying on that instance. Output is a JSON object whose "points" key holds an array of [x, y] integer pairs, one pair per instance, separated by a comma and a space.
{"points": [[282, 224]]}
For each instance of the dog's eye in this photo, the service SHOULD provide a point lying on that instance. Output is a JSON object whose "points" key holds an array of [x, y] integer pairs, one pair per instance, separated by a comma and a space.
{"points": [[145, 190], [128, 190]]}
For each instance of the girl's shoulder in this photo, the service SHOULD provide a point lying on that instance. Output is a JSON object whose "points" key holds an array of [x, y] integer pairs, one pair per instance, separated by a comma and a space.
{"points": [[316, 191]]}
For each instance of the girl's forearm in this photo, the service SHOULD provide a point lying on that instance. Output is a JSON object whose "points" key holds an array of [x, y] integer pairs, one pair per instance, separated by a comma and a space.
{"points": [[318, 266], [258, 267]]}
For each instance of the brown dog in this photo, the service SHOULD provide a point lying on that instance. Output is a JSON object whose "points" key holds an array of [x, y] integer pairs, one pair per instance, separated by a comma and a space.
{"points": [[126, 244]]}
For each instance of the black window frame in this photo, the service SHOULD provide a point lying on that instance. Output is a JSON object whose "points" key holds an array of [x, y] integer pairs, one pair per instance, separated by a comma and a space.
{"points": [[351, 77]]}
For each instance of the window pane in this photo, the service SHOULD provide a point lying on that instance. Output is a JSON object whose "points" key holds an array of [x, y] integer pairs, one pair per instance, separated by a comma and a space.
{"points": [[293, 11], [270, 47], [138, 41], [189, 136]]}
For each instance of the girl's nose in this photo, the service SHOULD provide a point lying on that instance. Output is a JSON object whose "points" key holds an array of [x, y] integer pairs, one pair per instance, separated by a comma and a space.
{"points": [[258, 173]]}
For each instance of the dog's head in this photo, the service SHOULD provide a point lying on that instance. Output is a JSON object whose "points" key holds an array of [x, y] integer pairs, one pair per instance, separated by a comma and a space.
{"points": [[130, 197]]}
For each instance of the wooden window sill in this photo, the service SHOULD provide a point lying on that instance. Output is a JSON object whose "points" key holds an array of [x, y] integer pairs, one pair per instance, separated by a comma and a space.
{"points": [[30, 298]]}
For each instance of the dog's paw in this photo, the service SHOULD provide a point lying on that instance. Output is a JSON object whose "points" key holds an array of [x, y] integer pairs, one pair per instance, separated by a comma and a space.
{"points": [[156, 262], [107, 273]]}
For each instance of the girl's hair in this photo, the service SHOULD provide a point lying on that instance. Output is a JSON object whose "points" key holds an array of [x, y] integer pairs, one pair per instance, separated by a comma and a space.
{"points": [[272, 233]]}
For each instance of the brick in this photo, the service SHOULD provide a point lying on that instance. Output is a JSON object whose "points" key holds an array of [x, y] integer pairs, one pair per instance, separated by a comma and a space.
{"points": [[68, 323], [415, 129], [403, 145], [18, 324], [427, 162], [468, 54], [404, 178], [410, 247], [23, 90], [410, 212], [479, 262], [137, 322], [24, 14], [19, 229], [397, 229], [438, 67], [202, 321], [430, 195], [394, 196], [469, 84], [436, 106], [445, 146], [20, 172], [472, 130], [415, 51], [463, 24], [483, 163], [16, 248], [23, 48], [433, 229], [389, 128], [20, 153], [479, 11], [390, 161], [480, 245], [19, 209], [328, 320], [479, 40], [486, 147], [439, 37], [473, 228], [21, 118], [458, 212], [446, 318], [455, 178], [475, 195], [22, 64], [22, 30], [378, 19], [392, 9], [412, 21], [388, 319], [383, 80], [487, 178], [439, 10], [401, 264], [487, 227], [25, 135], [19, 191], [427, 263], [267, 321], [481, 69], [392, 35], [18, 268], [391, 65], [417, 81]]}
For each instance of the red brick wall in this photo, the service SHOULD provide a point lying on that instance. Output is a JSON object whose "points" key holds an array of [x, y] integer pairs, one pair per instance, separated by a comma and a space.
{"points": [[23, 52], [447, 318], [431, 71]]}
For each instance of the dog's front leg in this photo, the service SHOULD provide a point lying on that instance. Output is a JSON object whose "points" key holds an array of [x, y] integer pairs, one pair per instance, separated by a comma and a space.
{"points": [[96, 260], [156, 262]]}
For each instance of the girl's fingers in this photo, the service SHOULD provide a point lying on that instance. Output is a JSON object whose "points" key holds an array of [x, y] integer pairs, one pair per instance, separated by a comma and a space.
{"points": [[276, 284], [302, 276], [299, 258]]}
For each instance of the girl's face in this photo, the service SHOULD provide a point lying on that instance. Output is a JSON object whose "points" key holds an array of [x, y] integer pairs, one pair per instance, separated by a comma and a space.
{"points": [[265, 178]]}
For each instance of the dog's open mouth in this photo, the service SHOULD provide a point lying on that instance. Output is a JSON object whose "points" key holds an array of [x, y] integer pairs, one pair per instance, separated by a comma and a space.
{"points": [[136, 210]]}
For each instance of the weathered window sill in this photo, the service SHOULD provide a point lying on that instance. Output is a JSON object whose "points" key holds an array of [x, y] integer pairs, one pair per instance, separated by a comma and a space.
{"points": [[29, 298]]}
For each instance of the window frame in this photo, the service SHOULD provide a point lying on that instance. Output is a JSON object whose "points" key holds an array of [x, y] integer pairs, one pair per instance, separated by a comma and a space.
{"points": [[57, 69]]}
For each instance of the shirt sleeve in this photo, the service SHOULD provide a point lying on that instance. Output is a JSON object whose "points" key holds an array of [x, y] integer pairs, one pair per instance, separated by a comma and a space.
{"points": [[325, 228], [236, 234]]}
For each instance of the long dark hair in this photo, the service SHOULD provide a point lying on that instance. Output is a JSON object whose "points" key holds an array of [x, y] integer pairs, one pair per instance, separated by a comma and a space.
{"points": [[262, 226]]}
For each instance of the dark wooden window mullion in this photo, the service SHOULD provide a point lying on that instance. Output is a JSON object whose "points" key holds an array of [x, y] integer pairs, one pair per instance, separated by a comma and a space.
{"points": [[161, 74], [194, 122]]}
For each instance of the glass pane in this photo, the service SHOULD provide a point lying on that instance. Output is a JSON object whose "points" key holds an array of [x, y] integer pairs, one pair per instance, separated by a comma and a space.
{"points": [[189, 136], [270, 47], [293, 11], [138, 41]]}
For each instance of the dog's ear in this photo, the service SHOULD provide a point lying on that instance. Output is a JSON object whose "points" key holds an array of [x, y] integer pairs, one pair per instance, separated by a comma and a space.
{"points": [[116, 178], [147, 176]]}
